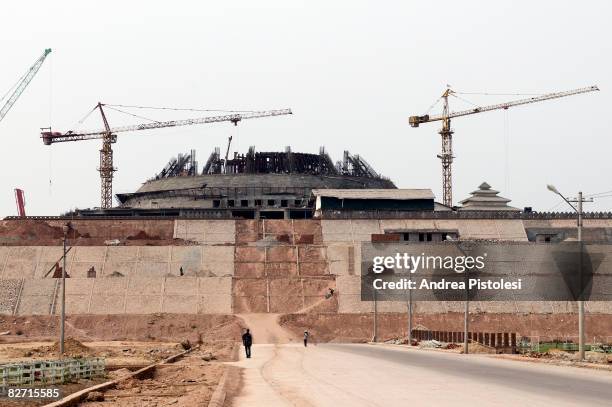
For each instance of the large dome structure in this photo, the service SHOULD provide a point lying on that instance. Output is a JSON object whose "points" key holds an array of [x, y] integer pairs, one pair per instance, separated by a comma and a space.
{"points": [[268, 185]]}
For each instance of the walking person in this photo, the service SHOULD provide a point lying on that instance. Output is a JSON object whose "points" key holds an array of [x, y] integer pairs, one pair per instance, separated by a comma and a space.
{"points": [[247, 341], [306, 334]]}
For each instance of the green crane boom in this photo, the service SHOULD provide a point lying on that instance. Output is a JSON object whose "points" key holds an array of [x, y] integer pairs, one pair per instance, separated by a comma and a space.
{"points": [[23, 83]]}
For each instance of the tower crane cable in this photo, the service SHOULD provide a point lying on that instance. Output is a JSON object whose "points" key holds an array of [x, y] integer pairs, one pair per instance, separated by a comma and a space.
{"points": [[463, 99], [499, 94], [132, 114], [182, 109]]}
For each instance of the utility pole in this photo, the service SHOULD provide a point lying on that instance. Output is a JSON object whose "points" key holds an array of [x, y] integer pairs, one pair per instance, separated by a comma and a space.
{"points": [[374, 337], [409, 310], [466, 311], [581, 336], [579, 200], [466, 320], [65, 229]]}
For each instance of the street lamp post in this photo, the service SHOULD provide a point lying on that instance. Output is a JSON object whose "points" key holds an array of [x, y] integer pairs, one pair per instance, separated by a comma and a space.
{"points": [[409, 310], [65, 229], [578, 211], [466, 318]]}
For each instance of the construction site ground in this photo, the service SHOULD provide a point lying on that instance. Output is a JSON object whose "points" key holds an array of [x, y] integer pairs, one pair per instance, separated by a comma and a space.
{"points": [[189, 381]]}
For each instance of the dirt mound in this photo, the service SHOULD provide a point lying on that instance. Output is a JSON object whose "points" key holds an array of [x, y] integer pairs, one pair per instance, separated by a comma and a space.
{"points": [[135, 327], [115, 374], [142, 235], [30, 230], [475, 347], [72, 347]]}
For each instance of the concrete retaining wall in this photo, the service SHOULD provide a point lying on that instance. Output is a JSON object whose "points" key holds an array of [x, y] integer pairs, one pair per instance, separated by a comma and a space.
{"points": [[135, 295], [237, 266], [141, 261]]}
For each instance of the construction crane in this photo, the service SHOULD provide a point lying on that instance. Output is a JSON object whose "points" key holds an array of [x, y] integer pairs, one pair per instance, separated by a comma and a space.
{"points": [[109, 136], [446, 156], [22, 84]]}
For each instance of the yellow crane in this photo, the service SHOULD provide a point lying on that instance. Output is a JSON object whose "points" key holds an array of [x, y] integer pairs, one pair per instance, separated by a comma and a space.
{"points": [[109, 136], [446, 156]]}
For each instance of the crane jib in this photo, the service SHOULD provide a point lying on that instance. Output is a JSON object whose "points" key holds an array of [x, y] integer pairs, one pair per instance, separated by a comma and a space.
{"points": [[23, 83], [416, 120], [50, 137]]}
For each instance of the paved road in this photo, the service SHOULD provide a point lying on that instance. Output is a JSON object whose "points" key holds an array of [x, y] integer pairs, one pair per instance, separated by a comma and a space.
{"points": [[371, 375]]}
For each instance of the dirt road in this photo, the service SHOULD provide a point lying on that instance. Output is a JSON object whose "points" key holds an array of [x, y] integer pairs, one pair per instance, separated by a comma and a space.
{"points": [[370, 375], [266, 329]]}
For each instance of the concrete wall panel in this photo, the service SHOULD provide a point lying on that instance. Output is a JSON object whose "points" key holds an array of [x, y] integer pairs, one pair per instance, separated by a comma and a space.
{"points": [[143, 304], [189, 269], [18, 269], [110, 286], [4, 253], [79, 286], [215, 304], [311, 253], [154, 254], [281, 254], [35, 305], [140, 286], [215, 286], [249, 254], [54, 253], [107, 304], [206, 231], [186, 254], [125, 268], [218, 269], [79, 269], [184, 286], [281, 269], [314, 269], [152, 269], [122, 253], [26, 253], [75, 304], [38, 287], [249, 270], [89, 254], [180, 304]]}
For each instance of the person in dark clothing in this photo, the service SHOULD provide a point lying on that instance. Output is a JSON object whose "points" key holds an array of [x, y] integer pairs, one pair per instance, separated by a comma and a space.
{"points": [[247, 341], [306, 335]]}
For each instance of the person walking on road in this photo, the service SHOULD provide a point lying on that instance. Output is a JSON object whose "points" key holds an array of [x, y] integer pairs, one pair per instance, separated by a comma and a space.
{"points": [[247, 341], [306, 334]]}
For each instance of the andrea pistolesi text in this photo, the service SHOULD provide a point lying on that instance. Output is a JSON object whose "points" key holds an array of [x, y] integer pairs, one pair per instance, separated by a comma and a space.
{"points": [[424, 284]]}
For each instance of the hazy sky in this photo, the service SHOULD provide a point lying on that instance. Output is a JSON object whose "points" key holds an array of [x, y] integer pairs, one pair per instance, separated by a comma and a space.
{"points": [[352, 71]]}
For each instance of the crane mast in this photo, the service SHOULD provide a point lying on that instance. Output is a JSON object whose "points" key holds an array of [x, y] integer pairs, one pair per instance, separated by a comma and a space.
{"points": [[23, 83], [109, 136], [446, 133]]}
